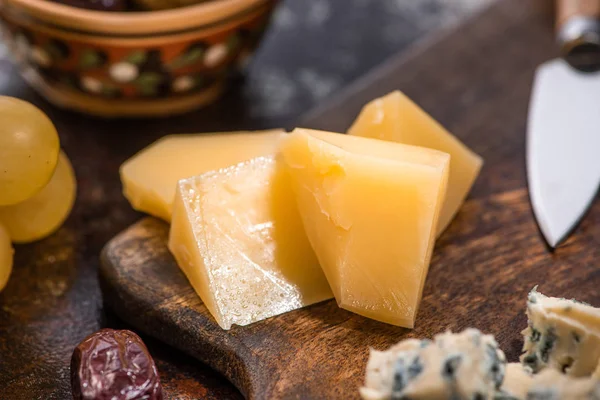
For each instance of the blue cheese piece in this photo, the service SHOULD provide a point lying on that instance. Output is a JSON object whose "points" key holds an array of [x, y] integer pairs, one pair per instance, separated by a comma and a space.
{"points": [[466, 365], [553, 385], [563, 335], [517, 382], [550, 384]]}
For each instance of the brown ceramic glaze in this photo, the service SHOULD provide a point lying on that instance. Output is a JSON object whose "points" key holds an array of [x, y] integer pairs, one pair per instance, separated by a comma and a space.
{"points": [[132, 64]]}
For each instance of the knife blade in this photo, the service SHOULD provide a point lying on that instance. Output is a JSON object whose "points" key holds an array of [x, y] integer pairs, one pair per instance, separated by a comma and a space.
{"points": [[563, 129], [563, 147]]}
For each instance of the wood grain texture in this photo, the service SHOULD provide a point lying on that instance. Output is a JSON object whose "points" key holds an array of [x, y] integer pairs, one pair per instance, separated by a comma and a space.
{"points": [[475, 81]]}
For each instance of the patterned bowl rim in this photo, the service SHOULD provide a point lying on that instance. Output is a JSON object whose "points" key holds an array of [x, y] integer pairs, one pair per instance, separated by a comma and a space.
{"points": [[194, 17]]}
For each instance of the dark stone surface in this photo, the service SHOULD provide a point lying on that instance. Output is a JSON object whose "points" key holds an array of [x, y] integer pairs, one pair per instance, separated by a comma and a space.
{"points": [[333, 43], [53, 299]]}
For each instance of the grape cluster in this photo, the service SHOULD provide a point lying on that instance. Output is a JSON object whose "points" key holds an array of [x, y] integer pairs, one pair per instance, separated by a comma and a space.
{"points": [[37, 182]]}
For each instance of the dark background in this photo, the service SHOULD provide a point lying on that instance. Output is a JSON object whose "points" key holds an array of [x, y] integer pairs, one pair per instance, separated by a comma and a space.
{"points": [[313, 49]]}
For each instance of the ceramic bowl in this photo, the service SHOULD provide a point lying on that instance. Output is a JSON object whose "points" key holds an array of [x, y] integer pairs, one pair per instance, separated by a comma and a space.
{"points": [[132, 63]]}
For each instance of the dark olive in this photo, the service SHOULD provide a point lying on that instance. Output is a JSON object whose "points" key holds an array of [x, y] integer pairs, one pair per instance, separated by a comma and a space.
{"points": [[114, 365]]}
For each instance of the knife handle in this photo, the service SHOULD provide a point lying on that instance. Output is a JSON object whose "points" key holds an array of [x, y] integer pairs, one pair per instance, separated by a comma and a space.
{"points": [[578, 32], [567, 9]]}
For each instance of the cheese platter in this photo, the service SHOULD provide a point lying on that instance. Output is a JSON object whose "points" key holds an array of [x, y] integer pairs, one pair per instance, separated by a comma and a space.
{"points": [[484, 264]]}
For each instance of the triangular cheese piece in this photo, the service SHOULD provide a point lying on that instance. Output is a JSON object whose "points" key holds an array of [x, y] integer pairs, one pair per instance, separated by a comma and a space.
{"points": [[237, 235], [370, 210], [150, 177], [397, 118]]}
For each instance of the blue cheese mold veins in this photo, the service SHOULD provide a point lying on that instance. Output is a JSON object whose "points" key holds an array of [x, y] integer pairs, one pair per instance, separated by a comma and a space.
{"points": [[562, 334], [466, 365]]}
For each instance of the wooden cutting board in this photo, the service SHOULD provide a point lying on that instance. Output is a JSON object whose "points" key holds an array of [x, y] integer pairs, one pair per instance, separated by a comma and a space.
{"points": [[476, 80]]}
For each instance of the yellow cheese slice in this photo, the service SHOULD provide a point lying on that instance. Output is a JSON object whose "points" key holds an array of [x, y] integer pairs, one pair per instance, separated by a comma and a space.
{"points": [[237, 235], [149, 178], [397, 118], [370, 210]]}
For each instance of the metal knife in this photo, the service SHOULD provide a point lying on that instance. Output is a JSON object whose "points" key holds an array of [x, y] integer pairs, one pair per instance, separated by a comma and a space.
{"points": [[563, 132]]}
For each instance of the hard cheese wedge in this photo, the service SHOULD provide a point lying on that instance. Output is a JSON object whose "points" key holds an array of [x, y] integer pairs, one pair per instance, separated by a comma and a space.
{"points": [[370, 210], [396, 118], [237, 235], [149, 178]]}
